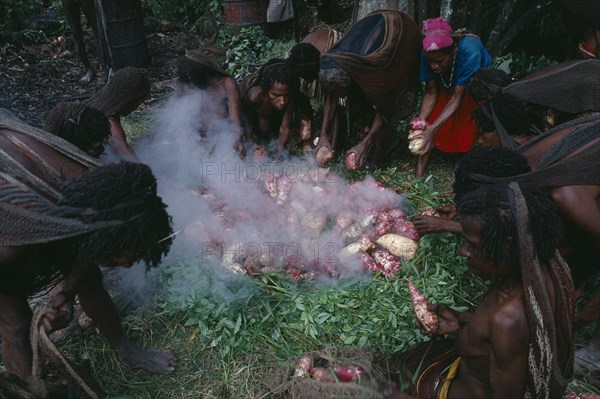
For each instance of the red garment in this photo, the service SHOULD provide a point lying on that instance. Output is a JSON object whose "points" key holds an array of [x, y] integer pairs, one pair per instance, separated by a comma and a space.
{"points": [[459, 133]]}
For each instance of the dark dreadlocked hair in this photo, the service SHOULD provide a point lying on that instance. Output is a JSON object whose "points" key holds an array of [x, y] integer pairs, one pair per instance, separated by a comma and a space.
{"points": [[491, 205], [80, 125], [304, 59], [196, 73], [277, 71], [126, 193], [510, 112], [479, 86], [486, 161], [123, 94]]}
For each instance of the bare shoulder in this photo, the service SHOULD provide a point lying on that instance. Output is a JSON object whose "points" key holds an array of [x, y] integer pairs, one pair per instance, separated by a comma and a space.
{"points": [[254, 96], [230, 84], [510, 320]]}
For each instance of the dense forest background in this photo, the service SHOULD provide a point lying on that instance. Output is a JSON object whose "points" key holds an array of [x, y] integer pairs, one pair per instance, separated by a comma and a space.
{"points": [[537, 27]]}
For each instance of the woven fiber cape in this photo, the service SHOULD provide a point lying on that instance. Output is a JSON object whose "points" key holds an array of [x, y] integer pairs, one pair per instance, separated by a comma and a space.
{"points": [[387, 72], [554, 170], [550, 356], [571, 87], [26, 216]]}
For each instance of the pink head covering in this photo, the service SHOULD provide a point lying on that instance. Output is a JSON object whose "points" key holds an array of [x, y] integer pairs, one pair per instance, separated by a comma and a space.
{"points": [[437, 34]]}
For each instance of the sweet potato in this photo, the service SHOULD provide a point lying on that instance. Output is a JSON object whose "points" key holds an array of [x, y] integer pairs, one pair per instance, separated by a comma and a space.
{"points": [[271, 185], [303, 366], [283, 188], [383, 217], [416, 145], [351, 161], [252, 264], [322, 374], [348, 373], [413, 134], [428, 319], [382, 228], [357, 229], [305, 129], [405, 228], [315, 224], [396, 214], [363, 244], [418, 124], [399, 245], [260, 154], [389, 263], [367, 244], [341, 222], [368, 262]]}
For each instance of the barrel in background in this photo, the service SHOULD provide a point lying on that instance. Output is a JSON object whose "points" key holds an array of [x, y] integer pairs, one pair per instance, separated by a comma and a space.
{"points": [[121, 30], [245, 12]]}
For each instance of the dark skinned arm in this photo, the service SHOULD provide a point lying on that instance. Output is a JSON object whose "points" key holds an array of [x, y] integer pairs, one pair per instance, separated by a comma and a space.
{"points": [[429, 99], [447, 112], [429, 133], [434, 224], [233, 109], [284, 128], [118, 141]]}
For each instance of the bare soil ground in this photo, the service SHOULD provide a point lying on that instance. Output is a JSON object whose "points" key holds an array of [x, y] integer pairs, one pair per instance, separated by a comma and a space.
{"points": [[35, 78]]}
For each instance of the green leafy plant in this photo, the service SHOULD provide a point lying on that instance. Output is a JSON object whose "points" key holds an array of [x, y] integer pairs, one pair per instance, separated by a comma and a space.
{"points": [[184, 11], [246, 49], [519, 65]]}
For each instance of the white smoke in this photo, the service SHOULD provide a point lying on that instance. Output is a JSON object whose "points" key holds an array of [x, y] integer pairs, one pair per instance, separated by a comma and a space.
{"points": [[223, 208]]}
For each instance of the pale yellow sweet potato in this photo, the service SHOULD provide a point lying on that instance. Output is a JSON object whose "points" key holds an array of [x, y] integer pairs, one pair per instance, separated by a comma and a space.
{"points": [[398, 245]]}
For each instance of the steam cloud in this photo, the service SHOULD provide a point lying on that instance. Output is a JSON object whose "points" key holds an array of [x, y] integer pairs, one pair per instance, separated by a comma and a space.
{"points": [[226, 210]]}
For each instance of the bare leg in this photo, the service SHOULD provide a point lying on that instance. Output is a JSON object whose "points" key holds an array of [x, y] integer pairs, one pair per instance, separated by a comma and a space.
{"points": [[385, 142], [89, 10], [422, 163], [72, 9], [96, 302], [356, 156], [324, 149], [15, 320]]}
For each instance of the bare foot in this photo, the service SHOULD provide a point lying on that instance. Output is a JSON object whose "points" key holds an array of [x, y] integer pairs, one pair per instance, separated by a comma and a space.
{"points": [[154, 360], [88, 76]]}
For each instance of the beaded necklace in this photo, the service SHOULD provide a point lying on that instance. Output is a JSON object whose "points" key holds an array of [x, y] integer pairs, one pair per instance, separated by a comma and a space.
{"points": [[447, 85]]}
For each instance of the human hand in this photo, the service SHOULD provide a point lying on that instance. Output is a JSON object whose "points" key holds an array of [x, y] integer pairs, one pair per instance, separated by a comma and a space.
{"points": [[240, 149], [61, 314], [429, 224], [447, 212], [448, 319], [427, 137]]}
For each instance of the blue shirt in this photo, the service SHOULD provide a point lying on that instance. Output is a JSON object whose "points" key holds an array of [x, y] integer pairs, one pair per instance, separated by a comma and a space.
{"points": [[470, 56]]}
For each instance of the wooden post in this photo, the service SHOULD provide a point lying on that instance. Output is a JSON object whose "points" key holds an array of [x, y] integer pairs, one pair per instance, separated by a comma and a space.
{"points": [[501, 23], [367, 6], [446, 9]]}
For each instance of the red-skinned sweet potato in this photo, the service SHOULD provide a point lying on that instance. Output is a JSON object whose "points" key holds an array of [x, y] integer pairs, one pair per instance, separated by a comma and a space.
{"points": [[428, 320]]}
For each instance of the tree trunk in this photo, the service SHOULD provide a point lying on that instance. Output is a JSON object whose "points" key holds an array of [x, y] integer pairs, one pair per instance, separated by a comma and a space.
{"points": [[501, 23], [367, 6], [476, 17], [408, 6], [446, 9], [518, 25], [422, 12]]}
